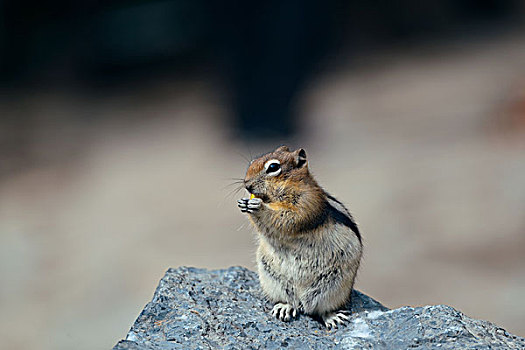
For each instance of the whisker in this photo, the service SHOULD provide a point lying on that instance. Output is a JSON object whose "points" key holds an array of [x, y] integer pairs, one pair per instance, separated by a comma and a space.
{"points": [[251, 155], [243, 157], [230, 194], [240, 183], [233, 191]]}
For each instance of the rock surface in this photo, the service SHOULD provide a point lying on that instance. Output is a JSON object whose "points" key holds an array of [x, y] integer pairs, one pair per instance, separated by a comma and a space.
{"points": [[224, 309]]}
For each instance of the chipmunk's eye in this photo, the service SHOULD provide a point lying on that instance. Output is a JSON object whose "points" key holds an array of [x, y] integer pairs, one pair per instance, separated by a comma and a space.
{"points": [[273, 167]]}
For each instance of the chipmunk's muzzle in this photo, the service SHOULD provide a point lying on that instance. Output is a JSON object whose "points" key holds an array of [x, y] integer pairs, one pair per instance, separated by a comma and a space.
{"points": [[254, 187]]}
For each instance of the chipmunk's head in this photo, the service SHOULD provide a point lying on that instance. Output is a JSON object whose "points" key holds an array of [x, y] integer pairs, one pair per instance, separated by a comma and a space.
{"points": [[278, 175]]}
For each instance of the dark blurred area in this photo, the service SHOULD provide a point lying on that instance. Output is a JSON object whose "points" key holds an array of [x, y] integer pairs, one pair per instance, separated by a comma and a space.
{"points": [[263, 51], [122, 123]]}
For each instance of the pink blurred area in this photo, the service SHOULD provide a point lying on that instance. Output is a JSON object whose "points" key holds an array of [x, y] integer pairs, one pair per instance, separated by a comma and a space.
{"points": [[425, 145]]}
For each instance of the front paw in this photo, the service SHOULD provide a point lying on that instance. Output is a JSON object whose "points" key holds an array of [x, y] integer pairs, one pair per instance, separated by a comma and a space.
{"points": [[248, 205]]}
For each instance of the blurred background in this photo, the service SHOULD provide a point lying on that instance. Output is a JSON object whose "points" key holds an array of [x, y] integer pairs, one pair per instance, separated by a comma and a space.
{"points": [[122, 124]]}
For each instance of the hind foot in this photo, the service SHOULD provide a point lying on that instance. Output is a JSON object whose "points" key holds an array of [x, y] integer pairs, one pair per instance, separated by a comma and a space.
{"points": [[333, 319], [284, 312]]}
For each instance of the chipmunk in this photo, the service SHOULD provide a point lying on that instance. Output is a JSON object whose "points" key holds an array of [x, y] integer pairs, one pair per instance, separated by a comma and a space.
{"points": [[309, 245]]}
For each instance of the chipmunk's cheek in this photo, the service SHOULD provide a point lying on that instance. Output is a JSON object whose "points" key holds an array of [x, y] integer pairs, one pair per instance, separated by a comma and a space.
{"points": [[264, 198], [281, 206]]}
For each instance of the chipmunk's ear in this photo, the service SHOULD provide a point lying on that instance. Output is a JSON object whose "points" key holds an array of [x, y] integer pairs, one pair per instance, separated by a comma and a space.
{"points": [[300, 157], [282, 149]]}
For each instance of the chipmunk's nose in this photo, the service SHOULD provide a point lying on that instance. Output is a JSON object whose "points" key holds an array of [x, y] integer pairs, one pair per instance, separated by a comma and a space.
{"points": [[248, 185]]}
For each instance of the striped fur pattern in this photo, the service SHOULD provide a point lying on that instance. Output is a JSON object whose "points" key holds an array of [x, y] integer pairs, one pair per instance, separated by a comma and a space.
{"points": [[309, 245]]}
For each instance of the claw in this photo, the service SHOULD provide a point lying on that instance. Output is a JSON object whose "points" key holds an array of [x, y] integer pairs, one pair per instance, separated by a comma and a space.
{"points": [[333, 319], [254, 203], [284, 312], [248, 205], [243, 204]]}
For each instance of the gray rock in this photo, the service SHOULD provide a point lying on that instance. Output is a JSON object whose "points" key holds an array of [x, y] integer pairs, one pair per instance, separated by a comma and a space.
{"points": [[224, 309]]}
